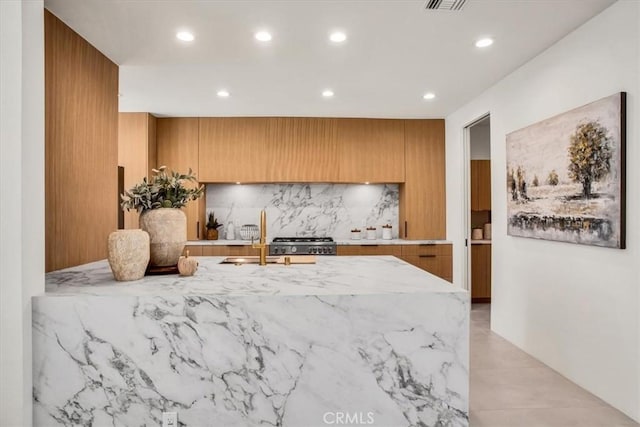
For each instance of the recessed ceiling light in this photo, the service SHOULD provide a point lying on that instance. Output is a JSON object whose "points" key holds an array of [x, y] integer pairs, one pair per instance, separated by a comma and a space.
{"points": [[223, 93], [327, 93], [185, 36], [429, 95], [338, 37], [485, 42], [263, 36]]}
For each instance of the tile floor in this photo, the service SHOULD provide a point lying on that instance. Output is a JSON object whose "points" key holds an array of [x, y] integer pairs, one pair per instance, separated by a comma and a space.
{"points": [[509, 388]]}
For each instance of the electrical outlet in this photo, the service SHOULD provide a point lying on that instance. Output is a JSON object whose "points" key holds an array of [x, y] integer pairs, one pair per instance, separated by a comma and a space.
{"points": [[169, 419]]}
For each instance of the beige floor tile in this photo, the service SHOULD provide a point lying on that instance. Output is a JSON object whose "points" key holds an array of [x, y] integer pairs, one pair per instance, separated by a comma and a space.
{"points": [[510, 388]]}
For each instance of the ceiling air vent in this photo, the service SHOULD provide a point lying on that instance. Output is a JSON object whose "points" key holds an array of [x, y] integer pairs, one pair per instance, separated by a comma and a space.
{"points": [[446, 5]]}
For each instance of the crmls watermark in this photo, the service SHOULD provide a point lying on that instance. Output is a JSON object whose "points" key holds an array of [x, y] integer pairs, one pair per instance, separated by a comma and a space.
{"points": [[348, 418]]}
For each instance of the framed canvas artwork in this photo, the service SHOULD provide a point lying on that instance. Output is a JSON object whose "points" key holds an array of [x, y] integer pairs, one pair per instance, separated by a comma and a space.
{"points": [[566, 176]]}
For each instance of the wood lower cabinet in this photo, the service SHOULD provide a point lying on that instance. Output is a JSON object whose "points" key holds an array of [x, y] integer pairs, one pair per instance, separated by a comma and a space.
{"points": [[393, 250], [229, 250], [481, 273], [436, 259], [177, 149], [194, 250], [422, 196]]}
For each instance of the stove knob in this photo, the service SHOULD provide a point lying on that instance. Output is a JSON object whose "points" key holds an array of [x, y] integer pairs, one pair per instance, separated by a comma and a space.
{"points": [[294, 249]]}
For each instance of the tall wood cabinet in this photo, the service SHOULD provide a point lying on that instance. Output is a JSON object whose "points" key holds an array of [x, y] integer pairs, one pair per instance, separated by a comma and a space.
{"points": [[481, 272], [480, 185], [177, 149], [136, 153], [422, 196]]}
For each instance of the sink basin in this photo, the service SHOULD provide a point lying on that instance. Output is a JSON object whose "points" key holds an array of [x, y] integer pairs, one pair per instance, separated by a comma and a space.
{"points": [[249, 260], [298, 259]]}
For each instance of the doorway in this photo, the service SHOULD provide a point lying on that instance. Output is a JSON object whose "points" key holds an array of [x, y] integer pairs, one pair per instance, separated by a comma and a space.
{"points": [[478, 209]]}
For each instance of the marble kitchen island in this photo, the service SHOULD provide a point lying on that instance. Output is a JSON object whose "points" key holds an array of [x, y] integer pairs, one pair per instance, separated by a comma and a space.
{"points": [[368, 340]]}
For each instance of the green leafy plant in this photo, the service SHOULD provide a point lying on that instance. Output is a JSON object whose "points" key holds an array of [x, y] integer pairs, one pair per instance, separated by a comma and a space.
{"points": [[166, 190], [212, 222]]}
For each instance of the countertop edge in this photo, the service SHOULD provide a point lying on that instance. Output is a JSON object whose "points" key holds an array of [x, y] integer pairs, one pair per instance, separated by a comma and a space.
{"points": [[341, 242]]}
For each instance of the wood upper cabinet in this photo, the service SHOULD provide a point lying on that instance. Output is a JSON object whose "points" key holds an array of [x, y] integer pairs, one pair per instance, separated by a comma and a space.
{"points": [[480, 185], [481, 272], [234, 149], [301, 149], [422, 196], [370, 150], [177, 149]]}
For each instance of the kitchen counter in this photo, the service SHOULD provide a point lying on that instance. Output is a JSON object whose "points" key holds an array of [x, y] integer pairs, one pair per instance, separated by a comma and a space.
{"points": [[480, 242], [338, 241], [249, 345]]}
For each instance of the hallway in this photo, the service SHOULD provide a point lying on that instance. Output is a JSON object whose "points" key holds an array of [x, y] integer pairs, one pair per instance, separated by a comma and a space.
{"points": [[509, 388]]}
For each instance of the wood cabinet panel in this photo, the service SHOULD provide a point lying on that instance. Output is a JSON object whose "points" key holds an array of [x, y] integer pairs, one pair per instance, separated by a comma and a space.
{"points": [[370, 150], [136, 153], [194, 250], [427, 249], [441, 266], [481, 272], [81, 148], [301, 149], [393, 250], [229, 250], [480, 185], [422, 196], [177, 149], [234, 149]]}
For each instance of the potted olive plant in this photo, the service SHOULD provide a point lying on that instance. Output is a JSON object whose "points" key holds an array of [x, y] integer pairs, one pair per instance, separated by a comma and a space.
{"points": [[159, 201], [212, 227]]}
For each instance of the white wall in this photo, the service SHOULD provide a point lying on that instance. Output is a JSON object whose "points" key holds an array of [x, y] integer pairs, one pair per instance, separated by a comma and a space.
{"points": [[480, 142], [22, 198], [576, 308]]}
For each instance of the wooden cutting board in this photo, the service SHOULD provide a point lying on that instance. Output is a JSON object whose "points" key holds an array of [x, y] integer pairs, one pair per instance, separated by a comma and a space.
{"points": [[299, 259]]}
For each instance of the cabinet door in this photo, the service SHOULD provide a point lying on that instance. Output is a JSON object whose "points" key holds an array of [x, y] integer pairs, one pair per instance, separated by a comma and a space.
{"points": [[228, 250], [481, 272], [370, 150], [234, 149], [194, 250], [422, 196], [480, 185], [393, 250], [136, 153], [177, 149], [301, 149], [436, 259]]}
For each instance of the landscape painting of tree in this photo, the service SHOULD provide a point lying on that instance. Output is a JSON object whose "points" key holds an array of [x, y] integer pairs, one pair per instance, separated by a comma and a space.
{"points": [[566, 176]]}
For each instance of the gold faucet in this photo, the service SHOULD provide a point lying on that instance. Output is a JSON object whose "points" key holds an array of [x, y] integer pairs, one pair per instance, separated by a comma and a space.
{"points": [[263, 239]]}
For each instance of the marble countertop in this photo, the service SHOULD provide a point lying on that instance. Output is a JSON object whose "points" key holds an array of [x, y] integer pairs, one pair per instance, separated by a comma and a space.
{"points": [[223, 242], [344, 275], [480, 242]]}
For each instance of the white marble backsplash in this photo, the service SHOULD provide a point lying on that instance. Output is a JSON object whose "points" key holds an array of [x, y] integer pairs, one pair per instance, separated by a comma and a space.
{"points": [[324, 210]]}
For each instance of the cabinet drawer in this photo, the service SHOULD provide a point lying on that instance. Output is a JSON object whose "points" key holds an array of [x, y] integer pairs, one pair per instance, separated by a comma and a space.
{"points": [[394, 250], [441, 266], [194, 250], [426, 249], [229, 250]]}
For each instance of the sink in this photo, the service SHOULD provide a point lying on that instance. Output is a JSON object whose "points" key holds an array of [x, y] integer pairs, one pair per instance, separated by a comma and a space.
{"points": [[249, 260], [297, 259]]}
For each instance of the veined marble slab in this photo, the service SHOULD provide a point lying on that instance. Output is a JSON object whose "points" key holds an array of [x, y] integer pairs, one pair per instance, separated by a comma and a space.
{"points": [[372, 337]]}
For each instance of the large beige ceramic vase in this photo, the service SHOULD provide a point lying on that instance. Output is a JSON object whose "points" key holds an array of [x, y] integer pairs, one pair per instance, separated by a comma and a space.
{"points": [[128, 254], [167, 228]]}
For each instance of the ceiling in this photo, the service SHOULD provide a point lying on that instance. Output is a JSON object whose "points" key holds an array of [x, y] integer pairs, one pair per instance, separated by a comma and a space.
{"points": [[395, 52]]}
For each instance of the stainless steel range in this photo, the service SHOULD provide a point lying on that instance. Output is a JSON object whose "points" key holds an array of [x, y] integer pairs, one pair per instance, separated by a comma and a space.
{"points": [[302, 246]]}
